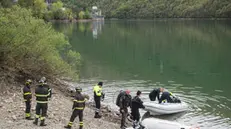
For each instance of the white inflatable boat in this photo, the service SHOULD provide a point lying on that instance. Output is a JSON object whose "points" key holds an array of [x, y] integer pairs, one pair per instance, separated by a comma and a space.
{"points": [[165, 108], [153, 123]]}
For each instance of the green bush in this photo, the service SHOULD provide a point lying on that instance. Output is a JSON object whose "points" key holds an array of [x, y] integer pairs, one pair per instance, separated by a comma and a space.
{"points": [[87, 15], [32, 45], [39, 8], [48, 15], [81, 15]]}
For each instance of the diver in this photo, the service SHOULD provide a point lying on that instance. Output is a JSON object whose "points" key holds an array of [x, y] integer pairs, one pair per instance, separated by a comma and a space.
{"points": [[136, 104], [165, 97]]}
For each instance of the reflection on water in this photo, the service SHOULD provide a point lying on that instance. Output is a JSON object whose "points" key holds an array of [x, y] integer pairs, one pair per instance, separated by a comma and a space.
{"points": [[189, 58], [97, 28]]}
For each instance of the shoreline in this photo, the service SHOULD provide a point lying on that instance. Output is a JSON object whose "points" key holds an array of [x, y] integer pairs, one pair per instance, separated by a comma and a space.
{"points": [[59, 110], [154, 19], [75, 20]]}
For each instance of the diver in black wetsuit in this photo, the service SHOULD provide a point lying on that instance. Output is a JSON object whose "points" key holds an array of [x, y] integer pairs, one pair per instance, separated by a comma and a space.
{"points": [[165, 97]]}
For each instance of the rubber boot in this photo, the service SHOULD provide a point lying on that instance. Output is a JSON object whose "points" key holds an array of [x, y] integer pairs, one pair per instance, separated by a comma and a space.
{"points": [[43, 123], [36, 121], [97, 115], [80, 127], [67, 127]]}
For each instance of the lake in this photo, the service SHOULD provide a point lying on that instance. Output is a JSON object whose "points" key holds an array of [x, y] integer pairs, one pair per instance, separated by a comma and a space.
{"points": [[191, 58]]}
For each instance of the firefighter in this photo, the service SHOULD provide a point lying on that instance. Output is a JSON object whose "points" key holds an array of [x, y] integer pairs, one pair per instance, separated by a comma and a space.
{"points": [[46, 85], [78, 107], [27, 98], [98, 95], [136, 104], [41, 94], [124, 101], [49, 90]]}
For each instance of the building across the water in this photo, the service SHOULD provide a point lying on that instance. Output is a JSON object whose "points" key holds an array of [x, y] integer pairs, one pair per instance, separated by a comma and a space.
{"points": [[96, 13]]}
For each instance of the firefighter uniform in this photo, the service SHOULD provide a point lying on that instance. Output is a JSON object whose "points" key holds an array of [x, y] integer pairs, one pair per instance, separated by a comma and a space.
{"points": [[27, 98], [41, 94], [78, 108], [97, 97], [49, 92]]}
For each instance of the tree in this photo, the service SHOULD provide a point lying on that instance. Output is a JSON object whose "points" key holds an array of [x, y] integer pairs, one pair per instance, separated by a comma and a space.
{"points": [[26, 3], [39, 8], [6, 3], [30, 44]]}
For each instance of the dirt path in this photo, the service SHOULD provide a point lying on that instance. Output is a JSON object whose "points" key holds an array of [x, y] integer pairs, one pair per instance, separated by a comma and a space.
{"points": [[12, 113]]}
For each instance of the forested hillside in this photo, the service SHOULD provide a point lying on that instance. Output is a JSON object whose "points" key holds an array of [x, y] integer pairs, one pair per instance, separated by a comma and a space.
{"points": [[157, 8]]}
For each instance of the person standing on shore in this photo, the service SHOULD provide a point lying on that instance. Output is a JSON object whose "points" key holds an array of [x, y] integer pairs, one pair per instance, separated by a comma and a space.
{"points": [[27, 98], [98, 95], [78, 108], [49, 90], [124, 101], [41, 94], [136, 104]]}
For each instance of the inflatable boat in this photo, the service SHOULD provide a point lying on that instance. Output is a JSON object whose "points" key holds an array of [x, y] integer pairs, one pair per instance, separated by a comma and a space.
{"points": [[165, 108], [153, 123]]}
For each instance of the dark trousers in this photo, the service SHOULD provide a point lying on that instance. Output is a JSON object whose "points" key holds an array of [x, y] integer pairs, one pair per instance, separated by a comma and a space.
{"points": [[97, 105], [76, 113], [41, 107], [28, 107], [124, 117], [135, 115]]}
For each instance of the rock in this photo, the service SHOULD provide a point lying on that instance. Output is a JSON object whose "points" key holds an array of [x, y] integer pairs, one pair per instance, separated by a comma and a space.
{"points": [[1, 105], [104, 110], [10, 100], [8, 92], [14, 117], [10, 121]]}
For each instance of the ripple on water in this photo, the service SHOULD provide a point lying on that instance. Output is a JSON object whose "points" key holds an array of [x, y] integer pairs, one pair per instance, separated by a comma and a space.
{"points": [[205, 110]]}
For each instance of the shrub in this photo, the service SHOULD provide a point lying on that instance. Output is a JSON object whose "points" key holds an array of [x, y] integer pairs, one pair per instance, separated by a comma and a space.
{"points": [[81, 15], [30, 44]]}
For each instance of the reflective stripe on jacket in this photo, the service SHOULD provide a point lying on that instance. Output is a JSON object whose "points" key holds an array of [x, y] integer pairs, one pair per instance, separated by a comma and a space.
{"points": [[41, 94], [79, 102], [27, 93]]}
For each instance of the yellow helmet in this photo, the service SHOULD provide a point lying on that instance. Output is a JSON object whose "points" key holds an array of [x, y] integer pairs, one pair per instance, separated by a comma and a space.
{"points": [[28, 82]]}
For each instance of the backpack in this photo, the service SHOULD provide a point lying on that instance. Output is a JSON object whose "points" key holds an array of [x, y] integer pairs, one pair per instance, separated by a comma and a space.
{"points": [[118, 99]]}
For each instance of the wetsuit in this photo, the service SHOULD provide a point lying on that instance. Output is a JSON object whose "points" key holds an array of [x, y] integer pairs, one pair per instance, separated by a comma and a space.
{"points": [[154, 94], [136, 104]]}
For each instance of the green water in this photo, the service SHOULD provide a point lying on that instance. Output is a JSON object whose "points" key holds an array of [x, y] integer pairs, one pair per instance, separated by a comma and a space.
{"points": [[191, 58]]}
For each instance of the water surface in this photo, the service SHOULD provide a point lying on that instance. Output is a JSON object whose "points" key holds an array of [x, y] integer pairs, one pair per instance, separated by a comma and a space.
{"points": [[190, 58]]}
